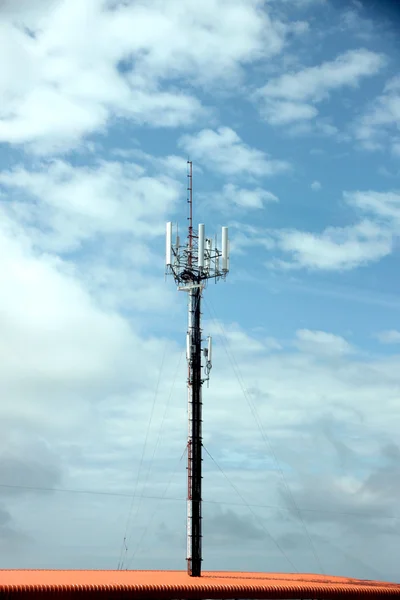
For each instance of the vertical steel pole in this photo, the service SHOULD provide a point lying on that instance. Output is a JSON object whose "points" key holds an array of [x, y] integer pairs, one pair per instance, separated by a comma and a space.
{"points": [[194, 518]]}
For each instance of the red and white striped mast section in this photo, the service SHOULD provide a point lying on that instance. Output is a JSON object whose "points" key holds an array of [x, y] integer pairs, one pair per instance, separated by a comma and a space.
{"points": [[192, 265]]}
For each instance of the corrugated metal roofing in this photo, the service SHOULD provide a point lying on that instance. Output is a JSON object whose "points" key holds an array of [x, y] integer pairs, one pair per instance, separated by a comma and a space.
{"points": [[178, 585]]}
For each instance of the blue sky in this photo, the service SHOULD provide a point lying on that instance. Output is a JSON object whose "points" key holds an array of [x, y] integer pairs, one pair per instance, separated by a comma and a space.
{"points": [[290, 112]]}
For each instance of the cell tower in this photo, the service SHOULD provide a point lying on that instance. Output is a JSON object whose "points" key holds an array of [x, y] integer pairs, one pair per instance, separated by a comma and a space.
{"points": [[192, 265]]}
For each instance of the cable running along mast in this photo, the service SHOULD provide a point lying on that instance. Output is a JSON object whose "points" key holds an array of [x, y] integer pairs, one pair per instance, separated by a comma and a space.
{"points": [[192, 264]]}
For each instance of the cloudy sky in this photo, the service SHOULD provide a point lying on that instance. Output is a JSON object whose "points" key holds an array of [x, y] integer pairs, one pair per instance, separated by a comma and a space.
{"points": [[290, 111]]}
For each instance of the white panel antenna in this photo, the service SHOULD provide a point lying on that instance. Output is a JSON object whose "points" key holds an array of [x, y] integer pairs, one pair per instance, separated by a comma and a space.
{"points": [[225, 249], [201, 246], [168, 245]]}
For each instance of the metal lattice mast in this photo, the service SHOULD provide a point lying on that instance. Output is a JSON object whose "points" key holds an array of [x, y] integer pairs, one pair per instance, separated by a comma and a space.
{"points": [[192, 265]]}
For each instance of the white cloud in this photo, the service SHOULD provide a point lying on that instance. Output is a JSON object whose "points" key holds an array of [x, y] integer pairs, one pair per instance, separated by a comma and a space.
{"points": [[59, 348], [344, 248], [172, 164], [393, 84], [316, 83], [360, 27], [291, 91], [391, 336], [231, 195], [396, 149], [66, 378], [282, 112], [298, 27], [336, 248], [91, 62], [106, 219], [82, 90], [208, 45], [384, 205], [76, 204], [239, 341], [316, 128], [378, 126], [316, 186], [247, 236], [322, 343], [223, 151], [30, 12]]}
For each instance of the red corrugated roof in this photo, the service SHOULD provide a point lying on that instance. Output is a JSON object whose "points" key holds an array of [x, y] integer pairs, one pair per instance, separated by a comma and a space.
{"points": [[178, 585]]}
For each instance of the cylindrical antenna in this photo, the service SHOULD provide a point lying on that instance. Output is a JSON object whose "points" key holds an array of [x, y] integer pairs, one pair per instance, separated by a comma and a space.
{"points": [[201, 246], [225, 249], [168, 245], [209, 354]]}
